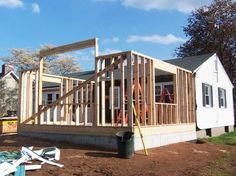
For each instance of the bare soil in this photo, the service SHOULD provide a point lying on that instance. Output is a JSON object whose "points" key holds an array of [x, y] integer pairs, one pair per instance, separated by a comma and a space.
{"points": [[182, 159]]}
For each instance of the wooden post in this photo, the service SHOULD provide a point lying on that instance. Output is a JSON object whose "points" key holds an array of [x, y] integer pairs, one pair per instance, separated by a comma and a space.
{"points": [[70, 102], [20, 96], [65, 102], [81, 112], [112, 94], [129, 89], [40, 88], [175, 98], [77, 105], [149, 91], [30, 94], [136, 86], [97, 97], [143, 91], [122, 91], [153, 114], [61, 102], [86, 106], [36, 88], [103, 77], [91, 99], [26, 97]]}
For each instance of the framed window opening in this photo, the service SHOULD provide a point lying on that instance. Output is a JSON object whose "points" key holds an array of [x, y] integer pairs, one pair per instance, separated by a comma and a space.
{"points": [[164, 92]]}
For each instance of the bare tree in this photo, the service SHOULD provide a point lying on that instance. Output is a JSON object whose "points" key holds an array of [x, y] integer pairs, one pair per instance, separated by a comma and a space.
{"points": [[58, 64]]}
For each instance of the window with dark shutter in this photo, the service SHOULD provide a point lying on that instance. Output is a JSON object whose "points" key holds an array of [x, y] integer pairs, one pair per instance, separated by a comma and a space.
{"points": [[207, 95]]}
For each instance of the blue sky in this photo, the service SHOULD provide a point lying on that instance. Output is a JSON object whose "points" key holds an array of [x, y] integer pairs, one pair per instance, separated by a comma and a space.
{"points": [[152, 27]]}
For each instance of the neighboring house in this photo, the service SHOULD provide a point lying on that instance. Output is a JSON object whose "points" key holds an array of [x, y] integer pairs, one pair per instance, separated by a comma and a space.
{"points": [[10, 82], [214, 94]]}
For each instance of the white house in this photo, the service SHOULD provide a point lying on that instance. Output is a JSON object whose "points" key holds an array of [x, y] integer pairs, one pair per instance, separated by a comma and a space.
{"points": [[11, 81], [214, 94]]}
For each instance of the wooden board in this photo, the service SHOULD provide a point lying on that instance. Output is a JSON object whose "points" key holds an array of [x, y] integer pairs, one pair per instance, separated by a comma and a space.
{"points": [[70, 47]]}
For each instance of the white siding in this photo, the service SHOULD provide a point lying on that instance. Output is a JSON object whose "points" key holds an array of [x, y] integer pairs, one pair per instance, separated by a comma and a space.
{"points": [[208, 117]]}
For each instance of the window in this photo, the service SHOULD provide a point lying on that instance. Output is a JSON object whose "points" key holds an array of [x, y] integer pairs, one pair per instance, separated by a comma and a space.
{"points": [[49, 99], [222, 97], [116, 97], [164, 92], [207, 95]]}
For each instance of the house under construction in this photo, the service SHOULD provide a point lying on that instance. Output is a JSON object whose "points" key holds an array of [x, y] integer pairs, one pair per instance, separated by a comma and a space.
{"points": [[91, 111]]}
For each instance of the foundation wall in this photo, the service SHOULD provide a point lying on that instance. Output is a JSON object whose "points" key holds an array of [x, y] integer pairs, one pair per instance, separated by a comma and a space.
{"points": [[92, 136], [231, 128], [213, 132], [106, 142], [104, 137], [164, 135]]}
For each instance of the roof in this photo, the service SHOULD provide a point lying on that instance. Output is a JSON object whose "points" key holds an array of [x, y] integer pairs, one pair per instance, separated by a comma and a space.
{"points": [[191, 62], [78, 75], [12, 73], [81, 75]]}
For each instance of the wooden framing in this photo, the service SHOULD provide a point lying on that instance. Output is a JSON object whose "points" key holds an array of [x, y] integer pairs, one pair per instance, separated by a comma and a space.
{"points": [[129, 89], [84, 102], [71, 47]]}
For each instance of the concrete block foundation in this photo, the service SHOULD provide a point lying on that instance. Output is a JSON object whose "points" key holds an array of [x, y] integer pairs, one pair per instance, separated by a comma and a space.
{"points": [[164, 135], [106, 142], [214, 132], [154, 136]]}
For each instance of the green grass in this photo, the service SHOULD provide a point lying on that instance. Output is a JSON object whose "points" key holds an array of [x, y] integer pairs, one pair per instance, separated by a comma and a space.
{"points": [[221, 166], [228, 139]]}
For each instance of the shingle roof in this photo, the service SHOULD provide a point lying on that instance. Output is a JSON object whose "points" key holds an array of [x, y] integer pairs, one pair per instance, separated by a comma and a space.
{"points": [[81, 75], [191, 62]]}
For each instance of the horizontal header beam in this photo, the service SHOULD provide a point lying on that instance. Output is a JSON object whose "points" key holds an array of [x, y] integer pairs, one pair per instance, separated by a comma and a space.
{"points": [[70, 47]]}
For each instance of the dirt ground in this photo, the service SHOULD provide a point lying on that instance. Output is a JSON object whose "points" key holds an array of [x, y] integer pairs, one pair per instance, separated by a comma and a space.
{"points": [[183, 159]]}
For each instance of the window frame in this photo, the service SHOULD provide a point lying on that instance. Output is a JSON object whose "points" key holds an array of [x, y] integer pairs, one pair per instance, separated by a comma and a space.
{"points": [[209, 95], [222, 96]]}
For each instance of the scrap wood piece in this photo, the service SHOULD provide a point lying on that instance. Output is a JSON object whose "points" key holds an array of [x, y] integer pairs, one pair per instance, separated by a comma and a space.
{"points": [[20, 170], [51, 153], [6, 156], [7, 168], [31, 154], [11, 161]]}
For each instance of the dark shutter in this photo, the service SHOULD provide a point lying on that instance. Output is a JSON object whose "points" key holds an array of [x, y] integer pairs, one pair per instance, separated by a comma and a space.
{"points": [[211, 96], [203, 95], [219, 97], [225, 98]]}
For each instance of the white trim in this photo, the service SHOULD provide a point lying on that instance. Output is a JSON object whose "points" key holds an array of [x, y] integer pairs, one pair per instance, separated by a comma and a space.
{"points": [[10, 73]]}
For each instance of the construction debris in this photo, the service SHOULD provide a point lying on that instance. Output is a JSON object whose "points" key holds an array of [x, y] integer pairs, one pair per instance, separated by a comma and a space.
{"points": [[17, 162]]}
